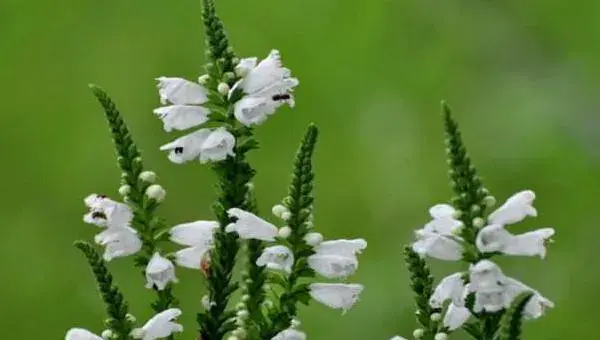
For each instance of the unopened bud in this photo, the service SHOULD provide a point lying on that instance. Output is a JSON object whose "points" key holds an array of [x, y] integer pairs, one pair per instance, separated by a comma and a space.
{"points": [[478, 222], [130, 317], [441, 336], [106, 334], [228, 76], [435, 317], [124, 190], [203, 79], [223, 88], [489, 201], [245, 298], [148, 176], [156, 192], [313, 239], [278, 210], [285, 232], [418, 333], [242, 314]]}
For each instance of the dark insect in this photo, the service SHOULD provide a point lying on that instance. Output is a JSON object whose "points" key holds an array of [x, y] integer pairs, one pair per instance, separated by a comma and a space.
{"points": [[98, 214], [284, 96], [179, 150]]}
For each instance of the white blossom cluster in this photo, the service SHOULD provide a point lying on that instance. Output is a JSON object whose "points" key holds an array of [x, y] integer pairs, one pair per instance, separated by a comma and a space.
{"points": [[264, 85], [493, 291], [334, 259]]}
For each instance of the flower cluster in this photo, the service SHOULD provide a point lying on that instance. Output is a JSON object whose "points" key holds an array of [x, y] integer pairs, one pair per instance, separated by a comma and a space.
{"points": [[491, 290], [263, 87], [334, 259]]}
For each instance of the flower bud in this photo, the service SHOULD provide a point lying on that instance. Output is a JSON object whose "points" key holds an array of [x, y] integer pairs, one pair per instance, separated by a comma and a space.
{"points": [[130, 317], [435, 317], [223, 88], [313, 239], [295, 323], [106, 334], [239, 332], [489, 201], [441, 336], [148, 176], [285, 232], [203, 79], [124, 190], [233, 337], [228, 76], [478, 222], [156, 192], [278, 210], [242, 314], [268, 304], [240, 306], [418, 333], [245, 298]]}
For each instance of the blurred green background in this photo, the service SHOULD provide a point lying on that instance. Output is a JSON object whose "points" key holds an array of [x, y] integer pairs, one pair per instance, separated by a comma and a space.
{"points": [[522, 77]]}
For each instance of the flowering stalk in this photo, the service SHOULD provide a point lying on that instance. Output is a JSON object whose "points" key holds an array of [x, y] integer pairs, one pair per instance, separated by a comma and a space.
{"points": [[462, 232], [234, 176], [119, 323], [141, 195], [299, 204], [421, 283]]}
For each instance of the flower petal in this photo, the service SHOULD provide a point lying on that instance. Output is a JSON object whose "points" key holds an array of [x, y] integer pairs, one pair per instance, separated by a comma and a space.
{"points": [[186, 148], [276, 258], [250, 226], [336, 295], [180, 91], [515, 209], [182, 117], [198, 233], [217, 146]]}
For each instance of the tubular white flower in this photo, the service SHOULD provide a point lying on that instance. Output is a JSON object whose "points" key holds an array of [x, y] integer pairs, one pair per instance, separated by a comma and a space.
{"points": [[450, 288], [341, 247], [276, 258], [536, 307], [437, 246], [160, 272], [182, 117], [515, 209], [159, 326], [267, 84], [494, 238], [290, 334], [333, 266], [119, 242], [456, 316], [105, 212], [180, 91], [443, 221], [186, 148], [336, 295], [81, 334], [485, 276], [217, 146], [250, 226], [199, 236]]}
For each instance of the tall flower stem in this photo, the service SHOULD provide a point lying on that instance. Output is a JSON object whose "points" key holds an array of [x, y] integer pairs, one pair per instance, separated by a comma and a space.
{"points": [[145, 221]]}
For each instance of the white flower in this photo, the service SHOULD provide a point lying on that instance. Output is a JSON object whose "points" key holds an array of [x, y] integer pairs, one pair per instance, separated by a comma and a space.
{"points": [[456, 316], [515, 209], [250, 226], [267, 84], [494, 291], [159, 272], [341, 247], [198, 236], [159, 326], [217, 146], [437, 246], [336, 295], [290, 334], [443, 221], [81, 334], [105, 212], [186, 148], [182, 117], [450, 288], [276, 258], [119, 242], [494, 238], [333, 266], [180, 91]]}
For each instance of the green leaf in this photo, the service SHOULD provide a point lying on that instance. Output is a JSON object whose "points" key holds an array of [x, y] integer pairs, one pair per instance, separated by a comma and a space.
{"points": [[510, 324]]}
